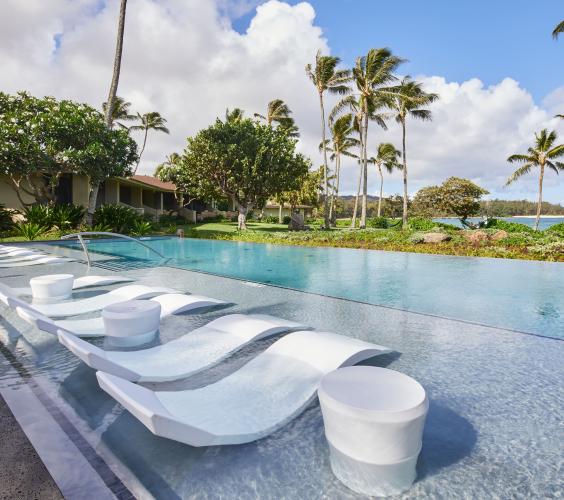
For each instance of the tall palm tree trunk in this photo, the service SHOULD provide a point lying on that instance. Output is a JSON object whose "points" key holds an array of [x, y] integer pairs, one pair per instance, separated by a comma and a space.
{"points": [[364, 170], [381, 189], [357, 198], [333, 212], [142, 149], [95, 184], [404, 216], [325, 174], [539, 205]]}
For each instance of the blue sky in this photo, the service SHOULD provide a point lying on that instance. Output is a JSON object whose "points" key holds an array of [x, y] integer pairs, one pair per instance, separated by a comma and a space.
{"points": [[456, 39]]}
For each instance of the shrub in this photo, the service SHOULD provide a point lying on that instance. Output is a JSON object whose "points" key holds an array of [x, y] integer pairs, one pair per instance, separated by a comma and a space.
{"points": [[66, 216], [416, 238], [377, 222], [422, 224], [167, 220], [510, 227], [286, 220], [6, 218], [557, 229], [171, 229], [119, 218], [270, 219], [141, 228], [99, 228], [38, 215], [30, 231]]}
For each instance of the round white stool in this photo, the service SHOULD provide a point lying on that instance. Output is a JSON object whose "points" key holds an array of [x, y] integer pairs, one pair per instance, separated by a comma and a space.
{"points": [[52, 286], [131, 323], [374, 419]]}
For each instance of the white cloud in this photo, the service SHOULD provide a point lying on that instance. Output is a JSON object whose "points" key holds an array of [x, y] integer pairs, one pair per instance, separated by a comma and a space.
{"points": [[183, 59]]}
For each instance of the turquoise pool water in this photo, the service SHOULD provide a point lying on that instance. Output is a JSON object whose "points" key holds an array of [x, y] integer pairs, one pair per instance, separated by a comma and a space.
{"points": [[525, 296], [544, 222]]}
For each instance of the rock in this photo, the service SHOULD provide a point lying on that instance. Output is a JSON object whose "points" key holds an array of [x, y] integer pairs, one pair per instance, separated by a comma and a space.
{"points": [[499, 235], [297, 223], [435, 237], [475, 236]]}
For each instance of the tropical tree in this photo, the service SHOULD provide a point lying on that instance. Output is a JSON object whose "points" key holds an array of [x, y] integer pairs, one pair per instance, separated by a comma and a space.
{"points": [[187, 186], [149, 121], [340, 144], [278, 112], [327, 78], [386, 156], [245, 161], [542, 155], [235, 115], [558, 29], [95, 184], [371, 75], [408, 99], [120, 111]]}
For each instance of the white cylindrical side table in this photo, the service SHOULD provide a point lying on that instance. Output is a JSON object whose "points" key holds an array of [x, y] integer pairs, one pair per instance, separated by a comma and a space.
{"points": [[374, 419], [52, 286], [131, 323]]}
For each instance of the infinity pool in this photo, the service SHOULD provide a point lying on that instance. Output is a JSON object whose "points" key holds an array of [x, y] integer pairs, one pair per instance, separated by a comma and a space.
{"points": [[526, 296]]}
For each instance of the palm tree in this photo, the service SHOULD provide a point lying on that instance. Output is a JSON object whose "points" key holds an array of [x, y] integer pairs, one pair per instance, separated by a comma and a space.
{"points": [[120, 111], [371, 74], [326, 77], [386, 156], [95, 186], [279, 112], [407, 99], [559, 29], [541, 155], [340, 144], [234, 116], [149, 121]]}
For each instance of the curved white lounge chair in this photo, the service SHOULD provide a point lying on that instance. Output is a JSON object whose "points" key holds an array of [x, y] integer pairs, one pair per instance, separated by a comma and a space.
{"points": [[17, 253], [252, 402], [171, 303], [20, 258], [83, 282], [40, 260], [185, 356]]}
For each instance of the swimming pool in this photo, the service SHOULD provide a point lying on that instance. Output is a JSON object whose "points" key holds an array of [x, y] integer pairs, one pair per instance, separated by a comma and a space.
{"points": [[526, 296]]}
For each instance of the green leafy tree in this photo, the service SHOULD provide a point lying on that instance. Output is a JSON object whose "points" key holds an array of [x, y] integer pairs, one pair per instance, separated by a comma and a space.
{"points": [[326, 78], [386, 157], [188, 187], [120, 111], [42, 139], [245, 161], [308, 191], [542, 155], [148, 121], [408, 99], [340, 144]]}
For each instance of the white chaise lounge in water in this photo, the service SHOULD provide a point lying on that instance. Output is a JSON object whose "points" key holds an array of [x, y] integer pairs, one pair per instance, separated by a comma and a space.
{"points": [[8, 259], [171, 303], [252, 402], [198, 350], [83, 282], [92, 304], [20, 252], [42, 259]]}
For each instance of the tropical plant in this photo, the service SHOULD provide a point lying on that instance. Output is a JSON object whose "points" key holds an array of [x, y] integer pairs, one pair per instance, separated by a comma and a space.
{"points": [[557, 229], [386, 156], [98, 228], [117, 217], [119, 112], [279, 112], [510, 227], [235, 115], [141, 228], [408, 98], [65, 216], [37, 214], [542, 155], [30, 231], [327, 78], [378, 222], [340, 144], [6, 218], [243, 160], [149, 121], [95, 180]]}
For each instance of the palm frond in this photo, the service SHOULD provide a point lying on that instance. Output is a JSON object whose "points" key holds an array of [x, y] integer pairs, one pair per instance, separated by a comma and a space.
{"points": [[525, 169], [559, 29]]}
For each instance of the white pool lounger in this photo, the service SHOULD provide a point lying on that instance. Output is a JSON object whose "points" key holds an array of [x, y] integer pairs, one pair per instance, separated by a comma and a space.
{"points": [[198, 350], [40, 260], [171, 303], [83, 282], [252, 402], [21, 258], [97, 303], [17, 253]]}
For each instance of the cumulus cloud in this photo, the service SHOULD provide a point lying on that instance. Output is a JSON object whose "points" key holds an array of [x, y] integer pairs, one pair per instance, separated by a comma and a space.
{"points": [[184, 59]]}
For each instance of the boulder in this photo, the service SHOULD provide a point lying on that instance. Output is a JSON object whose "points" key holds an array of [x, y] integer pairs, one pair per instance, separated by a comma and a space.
{"points": [[476, 236], [435, 237], [499, 235], [297, 223]]}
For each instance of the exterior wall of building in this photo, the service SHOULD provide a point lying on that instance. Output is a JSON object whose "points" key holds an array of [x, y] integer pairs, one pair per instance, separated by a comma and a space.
{"points": [[8, 196], [111, 191], [80, 190]]}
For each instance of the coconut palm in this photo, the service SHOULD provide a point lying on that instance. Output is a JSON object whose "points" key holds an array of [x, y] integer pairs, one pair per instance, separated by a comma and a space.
{"points": [[559, 29], [149, 121], [407, 100], [386, 156], [340, 144], [120, 111], [326, 77], [95, 187], [236, 115], [542, 155], [279, 112]]}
